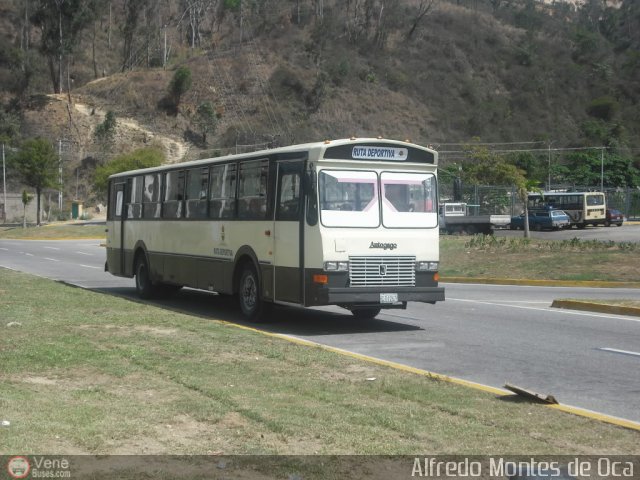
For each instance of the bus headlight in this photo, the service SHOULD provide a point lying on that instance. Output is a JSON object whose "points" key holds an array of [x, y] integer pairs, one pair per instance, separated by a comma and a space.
{"points": [[426, 266], [336, 266]]}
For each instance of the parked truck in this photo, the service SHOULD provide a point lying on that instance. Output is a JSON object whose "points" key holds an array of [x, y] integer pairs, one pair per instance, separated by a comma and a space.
{"points": [[456, 219]]}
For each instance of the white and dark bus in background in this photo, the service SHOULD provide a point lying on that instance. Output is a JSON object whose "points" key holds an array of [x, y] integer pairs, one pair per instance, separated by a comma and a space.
{"points": [[583, 208], [349, 222]]}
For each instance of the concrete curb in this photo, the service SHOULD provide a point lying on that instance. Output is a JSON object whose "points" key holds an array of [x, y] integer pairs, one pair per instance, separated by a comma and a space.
{"points": [[585, 306], [596, 307]]}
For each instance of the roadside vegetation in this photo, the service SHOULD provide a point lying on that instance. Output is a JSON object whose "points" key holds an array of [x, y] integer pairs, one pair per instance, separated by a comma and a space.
{"points": [[53, 232], [483, 256], [84, 372]]}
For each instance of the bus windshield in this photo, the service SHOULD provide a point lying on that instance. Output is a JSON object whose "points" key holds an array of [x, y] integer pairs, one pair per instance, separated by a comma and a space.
{"points": [[408, 200], [351, 199]]}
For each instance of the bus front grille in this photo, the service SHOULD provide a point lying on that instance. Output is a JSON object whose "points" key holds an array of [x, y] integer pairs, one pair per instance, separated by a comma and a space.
{"points": [[382, 271]]}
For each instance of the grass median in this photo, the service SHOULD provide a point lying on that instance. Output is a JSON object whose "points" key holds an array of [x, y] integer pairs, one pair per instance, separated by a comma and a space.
{"points": [[53, 232], [83, 372], [486, 256]]}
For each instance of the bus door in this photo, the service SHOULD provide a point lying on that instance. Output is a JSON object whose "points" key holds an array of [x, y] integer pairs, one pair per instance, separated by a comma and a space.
{"points": [[116, 247], [288, 231]]}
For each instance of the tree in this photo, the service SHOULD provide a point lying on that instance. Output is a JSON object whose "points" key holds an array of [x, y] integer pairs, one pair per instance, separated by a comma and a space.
{"points": [[206, 120], [105, 131], [61, 23], [423, 9], [37, 165], [487, 168], [26, 199], [141, 158], [523, 187], [180, 84]]}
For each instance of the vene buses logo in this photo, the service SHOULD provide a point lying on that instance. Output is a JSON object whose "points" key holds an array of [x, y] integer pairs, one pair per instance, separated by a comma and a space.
{"points": [[384, 246], [18, 467]]}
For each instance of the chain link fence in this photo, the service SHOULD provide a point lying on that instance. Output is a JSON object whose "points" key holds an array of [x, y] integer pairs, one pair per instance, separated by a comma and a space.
{"points": [[493, 200]]}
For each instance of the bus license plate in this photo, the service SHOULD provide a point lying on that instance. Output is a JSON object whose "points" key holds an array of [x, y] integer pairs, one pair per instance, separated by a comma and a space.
{"points": [[388, 298]]}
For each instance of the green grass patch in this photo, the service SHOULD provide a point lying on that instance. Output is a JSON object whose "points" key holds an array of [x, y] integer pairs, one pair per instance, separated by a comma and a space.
{"points": [[83, 372], [54, 232], [520, 258]]}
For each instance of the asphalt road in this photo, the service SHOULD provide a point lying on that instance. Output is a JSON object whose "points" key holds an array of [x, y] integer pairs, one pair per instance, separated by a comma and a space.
{"points": [[484, 333]]}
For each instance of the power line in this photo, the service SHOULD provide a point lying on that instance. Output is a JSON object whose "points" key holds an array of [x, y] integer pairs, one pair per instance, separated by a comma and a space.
{"points": [[472, 144], [541, 150]]}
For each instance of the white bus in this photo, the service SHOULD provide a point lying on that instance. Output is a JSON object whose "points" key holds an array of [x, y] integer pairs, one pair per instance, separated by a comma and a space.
{"points": [[583, 208], [350, 222]]}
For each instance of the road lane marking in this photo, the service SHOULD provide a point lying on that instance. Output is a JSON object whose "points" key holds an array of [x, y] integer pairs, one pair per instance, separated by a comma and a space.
{"points": [[622, 352], [89, 266], [52, 259], [84, 253], [5, 249], [548, 310], [28, 254], [52, 248]]}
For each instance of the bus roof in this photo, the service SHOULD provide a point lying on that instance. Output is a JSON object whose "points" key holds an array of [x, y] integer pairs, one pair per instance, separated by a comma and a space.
{"points": [[583, 192], [370, 149]]}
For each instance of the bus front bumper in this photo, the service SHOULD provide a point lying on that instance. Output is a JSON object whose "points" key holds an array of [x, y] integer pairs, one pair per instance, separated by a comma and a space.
{"points": [[388, 297]]}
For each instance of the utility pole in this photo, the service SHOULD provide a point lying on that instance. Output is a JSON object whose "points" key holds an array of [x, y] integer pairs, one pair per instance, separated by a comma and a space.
{"points": [[60, 174], [164, 55], [549, 169], [602, 169], [4, 184]]}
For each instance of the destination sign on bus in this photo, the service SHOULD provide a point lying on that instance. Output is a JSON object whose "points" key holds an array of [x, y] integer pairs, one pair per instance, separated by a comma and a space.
{"points": [[379, 152], [364, 152]]}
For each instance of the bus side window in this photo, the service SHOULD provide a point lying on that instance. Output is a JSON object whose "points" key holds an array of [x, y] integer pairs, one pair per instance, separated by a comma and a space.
{"points": [[196, 194], [222, 192], [252, 190], [289, 197], [116, 200], [151, 196], [134, 196], [174, 194]]}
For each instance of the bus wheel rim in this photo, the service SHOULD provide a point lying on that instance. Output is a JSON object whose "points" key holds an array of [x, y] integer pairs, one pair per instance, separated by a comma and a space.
{"points": [[249, 292]]}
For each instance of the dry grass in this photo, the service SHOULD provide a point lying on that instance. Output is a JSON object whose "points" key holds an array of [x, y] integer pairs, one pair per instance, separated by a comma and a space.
{"points": [[538, 259], [90, 373], [54, 232]]}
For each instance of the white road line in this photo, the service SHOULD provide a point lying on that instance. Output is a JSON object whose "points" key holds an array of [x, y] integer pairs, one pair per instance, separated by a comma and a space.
{"points": [[5, 249], [52, 259], [549, 310], [28, 254], [89, 266], [84, 253], [623, 352], [52, 248]]}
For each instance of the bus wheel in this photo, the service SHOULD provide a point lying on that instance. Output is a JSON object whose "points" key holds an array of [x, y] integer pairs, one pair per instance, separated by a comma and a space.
{"points": [[249, 294], [145, 288], [365, 313]]}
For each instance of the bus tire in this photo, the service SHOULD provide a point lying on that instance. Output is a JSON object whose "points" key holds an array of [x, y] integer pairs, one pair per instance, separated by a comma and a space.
{"points": [[144, 286], [251, 303], [367, 313]]}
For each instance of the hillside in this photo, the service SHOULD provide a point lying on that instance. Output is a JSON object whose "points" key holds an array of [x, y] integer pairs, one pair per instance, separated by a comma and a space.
{"points": [[278, 72]]}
